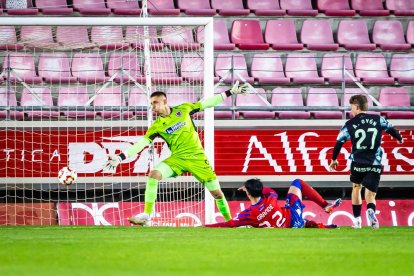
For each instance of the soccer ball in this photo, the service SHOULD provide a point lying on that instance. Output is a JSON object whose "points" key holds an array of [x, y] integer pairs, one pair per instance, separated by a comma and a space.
{"points": [[67, 176]]}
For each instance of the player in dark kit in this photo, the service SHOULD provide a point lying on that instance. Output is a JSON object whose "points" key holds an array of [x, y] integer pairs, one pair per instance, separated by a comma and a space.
{"points": [[364, 130], [266, 212]]}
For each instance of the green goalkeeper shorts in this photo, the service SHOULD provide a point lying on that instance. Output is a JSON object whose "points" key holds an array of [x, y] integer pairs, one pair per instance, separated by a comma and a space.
{"points": [[197, 165]]}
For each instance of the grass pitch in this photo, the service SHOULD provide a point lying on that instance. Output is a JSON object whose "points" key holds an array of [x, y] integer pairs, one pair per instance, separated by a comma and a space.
{"points": [[205, 251]]}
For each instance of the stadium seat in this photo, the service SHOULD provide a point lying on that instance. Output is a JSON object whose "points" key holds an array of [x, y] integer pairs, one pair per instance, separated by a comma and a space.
{"points": [[227, 102], [108, 37], [196, 7], [130, 65], [281, 35], [180, 95], [22, 65], [179, 38], [72, 37], [335, 8], [221, 36], [268, 68], [230, 7], [88, 68], [9, 100], [389, 35], [54, 7], [349, 92], [124, 7], [232, 67], [265, 7], [8, 39], [410, 32], [163, 70], [298, 8], [318, 35], [54, 68], [369, 7], [37, 36], [45, 99], [29, 9], [74, 96], [353, 35], [331, 67], [402, 68], [401, 7], [109, 96], [162, 7], [372, 69], [323, 97], [252, 99], [289, 97], [137, 97], [135, 36], [192, 68], [301, 67], [91, 7], [247, 35], [395, 96]]}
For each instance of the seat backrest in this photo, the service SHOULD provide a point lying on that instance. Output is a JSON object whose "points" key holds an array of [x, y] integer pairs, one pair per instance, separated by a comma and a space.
{"points": [[402, 66], [134, 34], [72, 35], [252, 99], [193, 4], [89, 4], [44, 95], [296, 5], [7, 99], [263, 5], [400, 5], [87, 65], [35, 34], [371, 65], [106, 34], [394, 96], [283, 96], [226, 62], [137, 97], [333, 5], [353, 32], [51, 4], [163, 65], [179, 95], [54, 65], [267, 65], [301, 65], [228, 4], [332, 64], [221, 34], [410, 32], [322, 97], [109, 96], [388, 32], [317, 32], [7, 35], [281, 32], [192, 66], [22, 64], [116, 4], [73, 96], [177, 35], [127, 61], [367, 4], [161, 4], [246, 31]]}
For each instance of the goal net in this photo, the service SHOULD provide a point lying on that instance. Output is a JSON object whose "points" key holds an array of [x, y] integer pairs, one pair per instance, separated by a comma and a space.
{"points": [[72, 91]]}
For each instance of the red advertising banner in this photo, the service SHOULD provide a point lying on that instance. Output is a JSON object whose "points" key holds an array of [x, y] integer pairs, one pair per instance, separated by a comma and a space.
{"points": [[27, 214], [389, 213], [42, 152]]}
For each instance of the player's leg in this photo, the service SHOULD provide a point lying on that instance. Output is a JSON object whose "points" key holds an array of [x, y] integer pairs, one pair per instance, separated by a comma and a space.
{"points": [[221, 201], [356, 178], [371, 183]]}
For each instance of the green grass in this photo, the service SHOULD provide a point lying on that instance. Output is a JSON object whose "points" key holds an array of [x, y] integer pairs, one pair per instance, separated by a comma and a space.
{"points": [[204, 251]]}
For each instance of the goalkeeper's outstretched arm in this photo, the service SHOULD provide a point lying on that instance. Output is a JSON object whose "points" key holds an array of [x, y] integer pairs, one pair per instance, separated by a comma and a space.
{"points": [[217, 99]]}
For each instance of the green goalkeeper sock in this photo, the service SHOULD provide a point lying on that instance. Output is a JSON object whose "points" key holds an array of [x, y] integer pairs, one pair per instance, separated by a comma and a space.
{"points": [[150, 194], [223, 207]]}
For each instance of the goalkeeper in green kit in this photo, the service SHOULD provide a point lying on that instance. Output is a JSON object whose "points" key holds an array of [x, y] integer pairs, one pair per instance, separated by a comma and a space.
{"points": [[175, 126]]}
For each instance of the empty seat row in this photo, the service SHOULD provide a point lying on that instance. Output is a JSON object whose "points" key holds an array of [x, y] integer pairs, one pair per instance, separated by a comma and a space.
{"points": [[213, 7], [267, 68], [282, 97]]}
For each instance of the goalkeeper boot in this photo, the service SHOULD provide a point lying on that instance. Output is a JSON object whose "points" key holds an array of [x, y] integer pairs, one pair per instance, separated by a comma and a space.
{"points": [[332, 205], [142, 220], [357, 223], [372, 219]]}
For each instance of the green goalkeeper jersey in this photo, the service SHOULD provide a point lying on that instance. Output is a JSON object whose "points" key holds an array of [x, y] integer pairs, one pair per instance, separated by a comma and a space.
{"points": [[178, 130]]}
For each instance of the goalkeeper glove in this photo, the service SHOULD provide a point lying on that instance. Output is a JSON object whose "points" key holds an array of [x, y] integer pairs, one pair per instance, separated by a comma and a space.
{"points": [[239, 88], [112, 163]]}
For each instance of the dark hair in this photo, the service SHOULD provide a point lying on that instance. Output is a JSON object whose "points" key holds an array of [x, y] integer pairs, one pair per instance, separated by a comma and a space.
{"points": [[254, 186], [158, 93], [360, 100]]}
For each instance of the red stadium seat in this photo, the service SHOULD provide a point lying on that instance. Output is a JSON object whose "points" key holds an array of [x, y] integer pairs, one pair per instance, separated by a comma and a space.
{"points": [[38, 97], [37, 36], [252, 99], [108, 37], [389, 35], [410, 33], [395, 96], [289, 97], [301, 67], [281, 34], [130, 65], [88, 68], [402, 68], [54, 7], [109, 96], [298, 8], [91, 7], [192, 68], [23, 68], [8, 39], [179, 38], [124, 7], [335, 8], [268, 68], [227, 102], [372, 69], [230, 7], [73, 97], [318, 35], [55, 68], [353, 35], [331, 67], [232, 67], [162, 7], [265, 7], [369, 7], [135, 36], [180, 95], [137, 97], [73, 37], [8, 98], [401, 7], [196, 7], [221, 36], [163, 70], [323, 97], [247, 35]]}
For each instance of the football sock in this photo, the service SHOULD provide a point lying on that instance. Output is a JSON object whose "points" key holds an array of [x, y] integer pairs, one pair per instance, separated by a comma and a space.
{"points": [[356, 209], [150, 194], [311, 194], [371, 206], [223, 207]]}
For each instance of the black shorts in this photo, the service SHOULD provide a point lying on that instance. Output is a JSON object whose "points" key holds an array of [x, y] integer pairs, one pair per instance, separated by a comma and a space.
{"points": [[366, 175]]}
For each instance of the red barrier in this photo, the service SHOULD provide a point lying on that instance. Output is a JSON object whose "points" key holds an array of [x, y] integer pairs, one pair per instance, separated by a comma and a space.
{"points": [[27, 214]]}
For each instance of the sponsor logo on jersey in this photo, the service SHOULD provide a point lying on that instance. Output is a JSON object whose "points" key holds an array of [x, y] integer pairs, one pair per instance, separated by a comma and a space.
{"points": [[265, 212], [178, 113], [175, 127]]}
